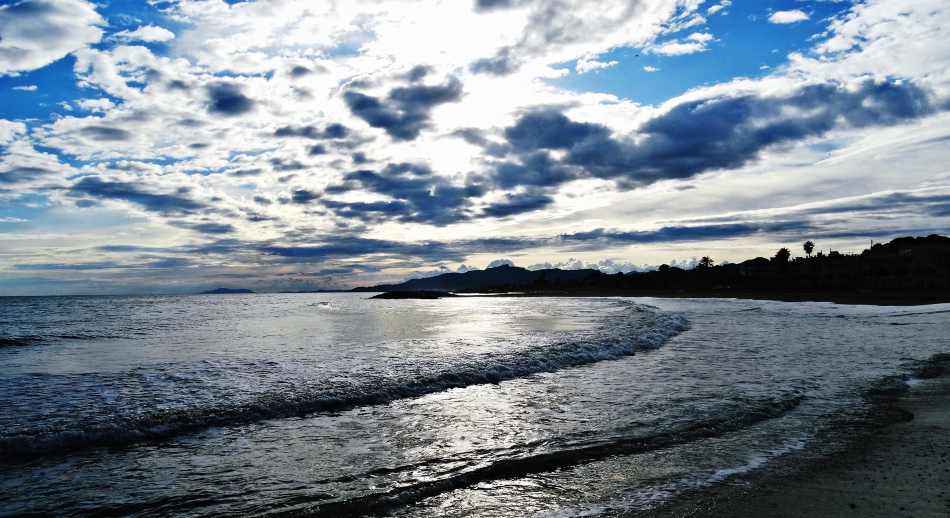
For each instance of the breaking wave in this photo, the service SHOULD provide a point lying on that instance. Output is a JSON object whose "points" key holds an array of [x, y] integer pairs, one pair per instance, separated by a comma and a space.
{"points": [[621, 337]]}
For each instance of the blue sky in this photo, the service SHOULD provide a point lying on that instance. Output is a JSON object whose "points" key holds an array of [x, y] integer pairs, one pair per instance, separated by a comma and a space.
{"points": [[173, 146]]}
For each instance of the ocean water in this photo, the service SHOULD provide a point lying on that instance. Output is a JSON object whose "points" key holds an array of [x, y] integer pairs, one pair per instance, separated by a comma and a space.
{"points": [[335, 405]]}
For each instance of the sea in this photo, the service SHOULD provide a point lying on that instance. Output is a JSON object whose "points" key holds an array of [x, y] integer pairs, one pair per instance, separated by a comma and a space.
{"points": [[340, 405]]}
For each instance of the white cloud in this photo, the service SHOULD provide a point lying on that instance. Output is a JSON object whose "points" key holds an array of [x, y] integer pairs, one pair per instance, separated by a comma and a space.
{"points": [[586, 65], [500, 262], [713, 9], [650, 69], [95, 105], [792, 16], [38, 32], [10, 130], [695, 42], [26, 88], [148, 33]]}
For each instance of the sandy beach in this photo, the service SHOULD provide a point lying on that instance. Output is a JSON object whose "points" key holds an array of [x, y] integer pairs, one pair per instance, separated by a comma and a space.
{"points": [[899, 466]]}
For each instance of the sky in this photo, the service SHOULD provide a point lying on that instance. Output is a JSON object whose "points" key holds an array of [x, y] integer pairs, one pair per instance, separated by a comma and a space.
{"points": [[178, 145]]}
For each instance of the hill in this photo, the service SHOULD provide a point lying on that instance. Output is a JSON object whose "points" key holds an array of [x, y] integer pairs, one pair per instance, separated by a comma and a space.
{"points": [[905, 270]]}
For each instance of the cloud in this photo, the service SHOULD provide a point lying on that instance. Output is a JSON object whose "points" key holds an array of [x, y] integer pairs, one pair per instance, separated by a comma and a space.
{"points": [[353, 246], [713, 9], [587, 65], [26, 88], [499, 65], [36, 33], [500, 262], [330, 132], [147, 33], [650, 69], [785, 17], [303, 196], [227, 99], [695, 42], [95, 187], [10, 130], [21, 174], [206, 228], [105, 133], [518, 204], [416, 195], [405, 112], [672, 234], [705, 134]]}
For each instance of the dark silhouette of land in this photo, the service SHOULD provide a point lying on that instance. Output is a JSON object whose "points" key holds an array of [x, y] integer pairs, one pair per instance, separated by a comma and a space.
{"points": [[413, 295], [227, 291], [907, 270]]}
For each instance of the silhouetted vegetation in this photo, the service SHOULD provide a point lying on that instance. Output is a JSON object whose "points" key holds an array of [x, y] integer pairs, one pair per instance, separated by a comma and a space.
{"points": [[911, 268]]}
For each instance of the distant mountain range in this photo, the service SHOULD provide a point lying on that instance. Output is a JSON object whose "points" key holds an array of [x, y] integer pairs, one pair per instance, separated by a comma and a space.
{"points": [[227, 291], [905, 270]]}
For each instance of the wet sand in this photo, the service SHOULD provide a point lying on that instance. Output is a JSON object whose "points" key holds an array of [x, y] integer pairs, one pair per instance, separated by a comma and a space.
{"points": [[895, 469]]}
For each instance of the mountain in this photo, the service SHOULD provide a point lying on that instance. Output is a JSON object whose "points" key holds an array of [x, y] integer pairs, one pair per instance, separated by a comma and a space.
{"points": [[227, 291], [905, 270], [500, 278]]}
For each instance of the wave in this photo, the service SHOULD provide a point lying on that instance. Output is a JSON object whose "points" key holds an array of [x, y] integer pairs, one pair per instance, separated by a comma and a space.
{"points": [[19, 341], [26, 340], [540, 462], [624, 339]]}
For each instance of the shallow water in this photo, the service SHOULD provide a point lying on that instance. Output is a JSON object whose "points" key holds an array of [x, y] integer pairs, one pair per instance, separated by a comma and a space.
{"points": [[334, 404]]}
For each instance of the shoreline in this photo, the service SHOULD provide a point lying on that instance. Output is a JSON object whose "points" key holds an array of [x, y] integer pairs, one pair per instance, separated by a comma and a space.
{"points": [[868, 299], [896, 464]]}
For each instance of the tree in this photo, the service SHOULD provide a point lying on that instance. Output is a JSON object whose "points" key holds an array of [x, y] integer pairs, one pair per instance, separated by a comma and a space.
{"points": [[706, 262], [782, 256], [809, 247]]}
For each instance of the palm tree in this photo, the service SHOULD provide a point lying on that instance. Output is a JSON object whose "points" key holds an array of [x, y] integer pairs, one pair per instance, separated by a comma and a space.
{"points": [[809, 247], [706, 262]]}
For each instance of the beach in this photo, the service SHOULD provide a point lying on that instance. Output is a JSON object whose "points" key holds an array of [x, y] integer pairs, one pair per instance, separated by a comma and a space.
{"points": [[898, 466]]}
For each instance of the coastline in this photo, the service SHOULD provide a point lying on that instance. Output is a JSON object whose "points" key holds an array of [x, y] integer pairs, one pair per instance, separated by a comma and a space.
{"points": [[897, 464], [857, 298]]}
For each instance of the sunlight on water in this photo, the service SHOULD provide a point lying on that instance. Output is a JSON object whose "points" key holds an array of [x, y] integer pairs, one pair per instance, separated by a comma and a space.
{"points": [[493, 406]]}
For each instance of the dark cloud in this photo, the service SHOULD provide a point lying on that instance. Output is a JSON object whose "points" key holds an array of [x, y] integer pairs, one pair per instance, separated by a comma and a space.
{"points": [[405, 111], [672, 234], [550, 129], [227, 99], [317, 149], [419, 195], [300, 71], [535, 170], [476, 137], [352, 246], [517, 204], [498, 65], [261, 200], [206, 228], [488, 5], [331, 132], [418, 73], [303, 196], [96, 265], [286, 165], [21, 174], [105, 133], [96, 187], [697, 136]]}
